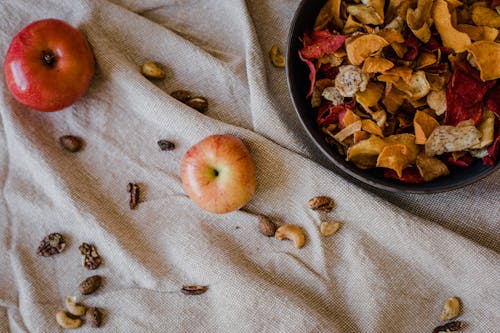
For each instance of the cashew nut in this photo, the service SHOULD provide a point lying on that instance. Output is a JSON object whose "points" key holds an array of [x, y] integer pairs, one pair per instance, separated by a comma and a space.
{"points": [[73, 307], [329, 228], [291, 232], [65, 321], [277, 59]]}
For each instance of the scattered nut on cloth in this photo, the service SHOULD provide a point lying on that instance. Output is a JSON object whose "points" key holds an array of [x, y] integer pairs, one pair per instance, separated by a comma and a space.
{"points": [[389, 268]]}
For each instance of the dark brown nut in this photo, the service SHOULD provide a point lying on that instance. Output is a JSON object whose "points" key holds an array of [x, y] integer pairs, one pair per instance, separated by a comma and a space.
{"points": [[166, 145], [93, 316], [71, 143], [51, 244], [266, 226], [194, 290], [152, 70], [90, 285], [321, 203], [181, 95], [91, 259], [452, 326], [133, 189], [198, 103]]}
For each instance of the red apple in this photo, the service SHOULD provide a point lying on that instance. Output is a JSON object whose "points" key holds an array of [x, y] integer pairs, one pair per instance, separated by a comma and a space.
{"points": [[218, 173], [49, 65]]}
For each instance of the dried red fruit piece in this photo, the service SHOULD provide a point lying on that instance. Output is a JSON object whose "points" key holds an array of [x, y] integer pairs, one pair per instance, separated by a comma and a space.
{"points": [[464, 95], [410, 175], [321, 43], [492, 99], [494, 148], [312, 74], [464, 161]]}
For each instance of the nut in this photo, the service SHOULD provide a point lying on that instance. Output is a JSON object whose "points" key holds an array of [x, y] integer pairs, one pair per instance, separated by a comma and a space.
{"points": [[291, 232], [193, 290], [91, 259], [51, 244], [64, 320], [152, 70], [73, 307], [133, 189], [181, 95], [266, 226], [277, 59], [94, 317], [452, 326], [90, 284], [166, 145], [451, 309], [321, 203], [329, 228], [198, 103], [71, 143]]}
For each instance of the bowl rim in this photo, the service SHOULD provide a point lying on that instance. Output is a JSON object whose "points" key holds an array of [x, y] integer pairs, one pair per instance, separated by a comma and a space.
{"points": [[353, 175]]}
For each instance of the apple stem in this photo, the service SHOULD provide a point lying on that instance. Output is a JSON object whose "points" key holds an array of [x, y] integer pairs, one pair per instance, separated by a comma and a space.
{"points": [[48, 58]]}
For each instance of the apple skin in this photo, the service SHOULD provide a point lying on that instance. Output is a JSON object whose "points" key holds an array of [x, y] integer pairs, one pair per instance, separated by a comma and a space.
{"points": [[218, 173], [49, 65]]}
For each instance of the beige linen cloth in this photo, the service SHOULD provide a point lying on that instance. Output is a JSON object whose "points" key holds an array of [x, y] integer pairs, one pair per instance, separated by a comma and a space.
{"points": [[389, 268]]}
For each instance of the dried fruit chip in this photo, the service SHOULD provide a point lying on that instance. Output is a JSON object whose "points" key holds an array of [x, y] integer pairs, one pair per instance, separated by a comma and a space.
{"points": [[410, 175], [351, 25], [348, 131], [394, 157], [451, 37], [486, 55], [350, 80], [376, 65], [408, 140], [391, 35], [418, 86], [330, 11], [430, 167], [477, 33], [426, 59], [348, 118], [485, 16], [323, 42], [464, 95], [394, 100], [424, 124], [312, 73], [365, 14], [319, 87], [364, 46], [364, 153], [448, 139], [436, 100], [371, 95], [417, 20], [370, 127], [333, 95], [487, 129], [404, 73]]}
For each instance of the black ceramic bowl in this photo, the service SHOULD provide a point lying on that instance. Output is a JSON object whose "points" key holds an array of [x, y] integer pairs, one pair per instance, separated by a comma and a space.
{"points": [[298, 85]]}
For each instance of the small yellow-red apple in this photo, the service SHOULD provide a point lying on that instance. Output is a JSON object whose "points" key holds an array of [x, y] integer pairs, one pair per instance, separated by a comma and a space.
{"points": [[218, 173]]}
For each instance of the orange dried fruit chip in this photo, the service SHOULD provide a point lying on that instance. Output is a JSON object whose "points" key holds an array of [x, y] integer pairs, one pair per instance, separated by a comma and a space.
{"points": [[371, 95], [393, 100], [477, 33], [365, 14], [487, 129], [430, 167], [388, 78], [330, 11], [369, 126], [486, 55], [364, 46], [391, 36], [418, 86], [364, 153], [351, 25], [485, 16], [376, 65], [401, 71], [424, 124], [394, 157], [417, 20], [408, 140], [348, 131], [426, 59], [451, 37]]}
